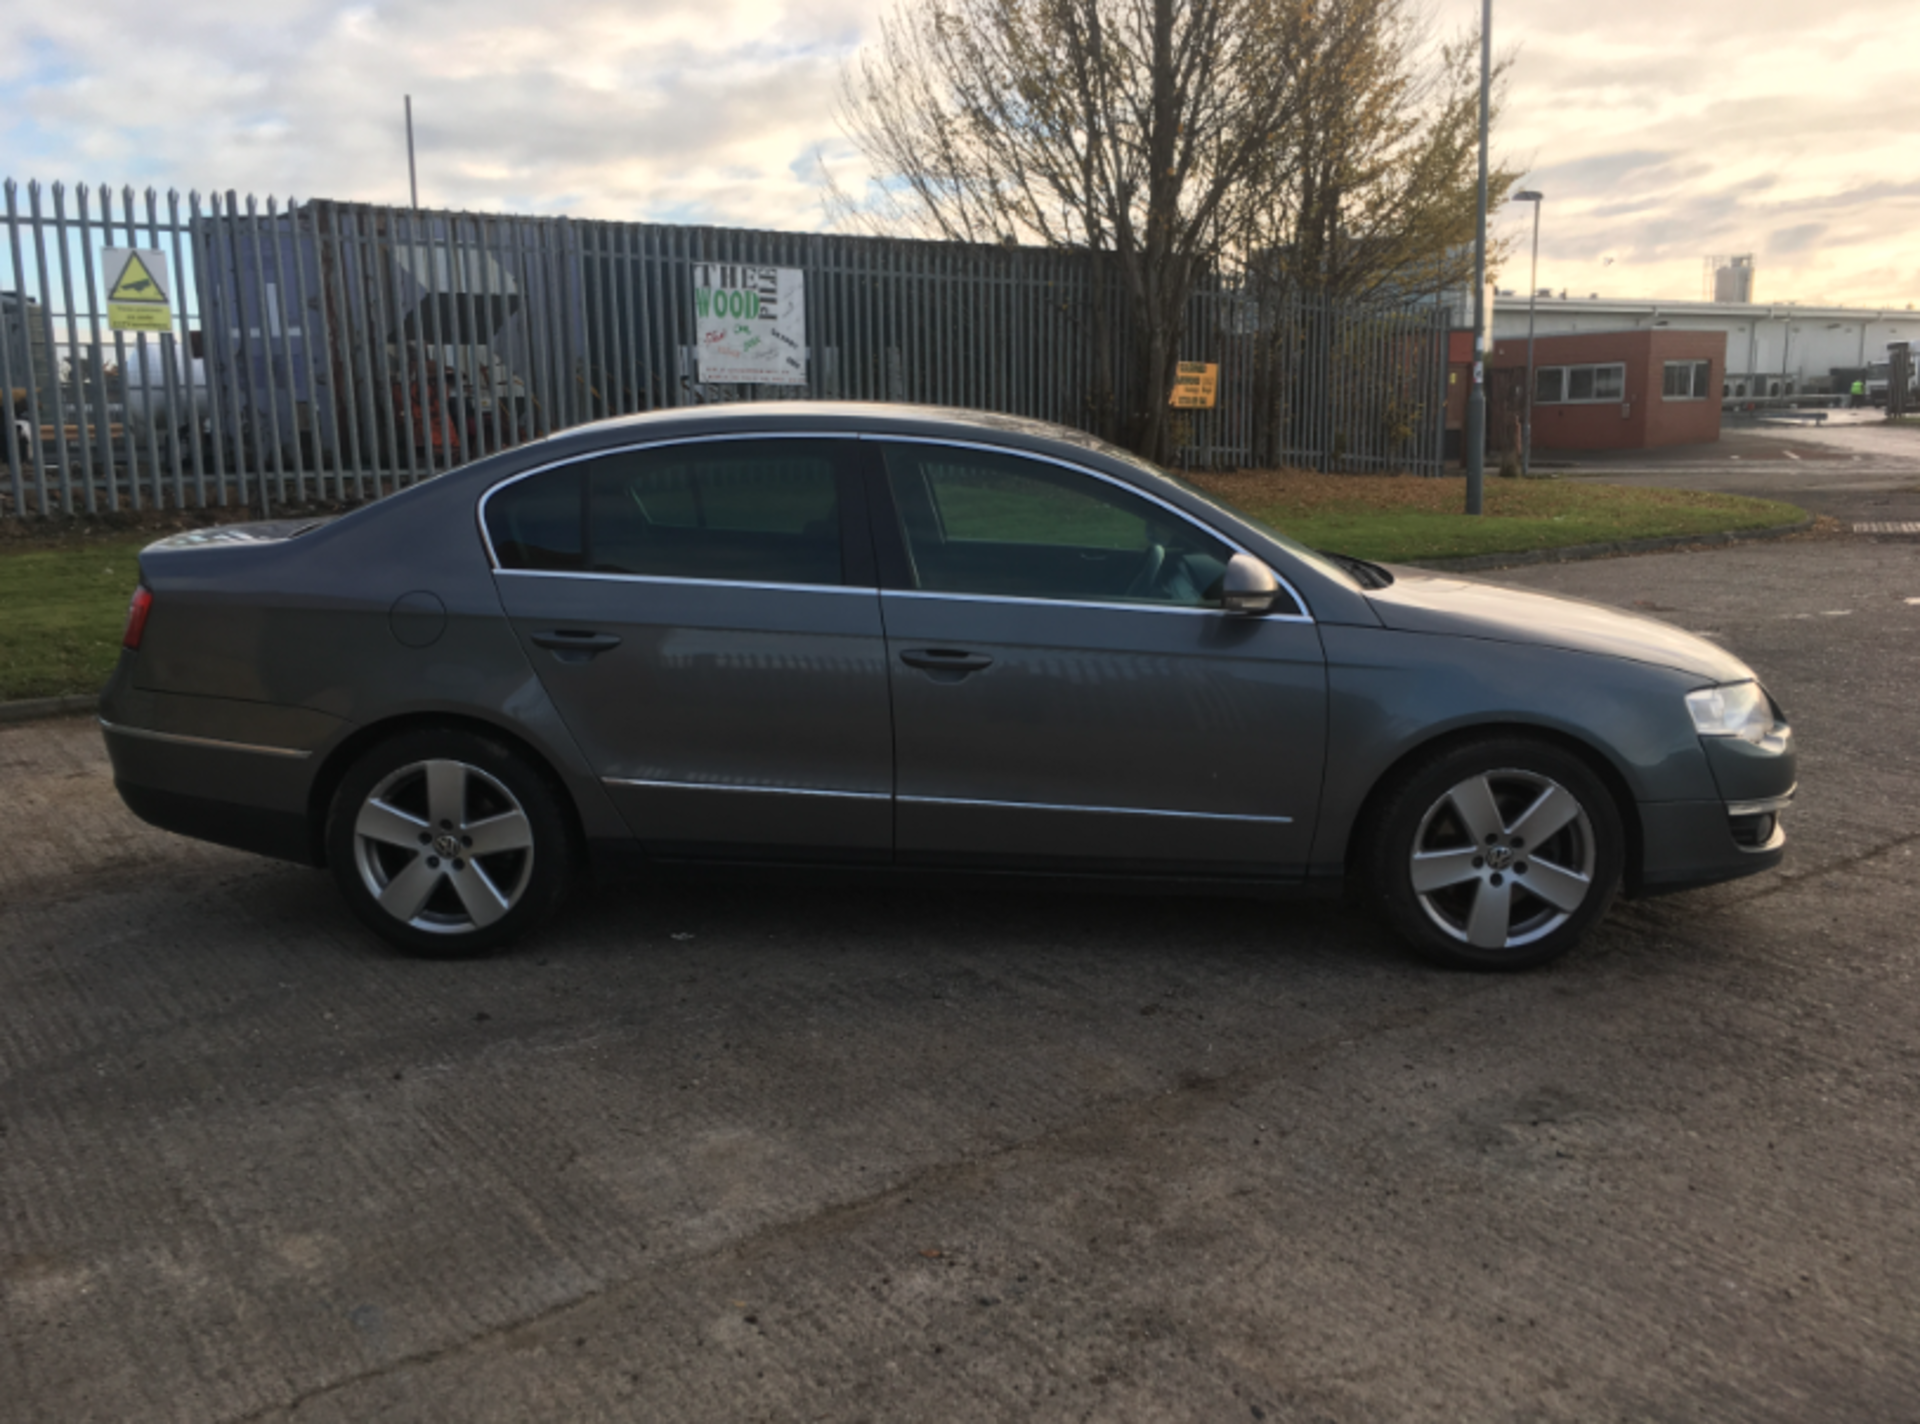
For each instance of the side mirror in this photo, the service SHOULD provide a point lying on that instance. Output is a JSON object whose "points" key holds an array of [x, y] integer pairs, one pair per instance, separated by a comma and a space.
{"points": [[1249, 586]]}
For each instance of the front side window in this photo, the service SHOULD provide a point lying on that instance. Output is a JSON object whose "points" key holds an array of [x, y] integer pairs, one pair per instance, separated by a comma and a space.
{"points": [[753, 511], [979, 522]]}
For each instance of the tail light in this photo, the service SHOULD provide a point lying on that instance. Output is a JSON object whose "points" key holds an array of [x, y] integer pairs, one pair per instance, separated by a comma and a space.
{"points": [[137, 610]]}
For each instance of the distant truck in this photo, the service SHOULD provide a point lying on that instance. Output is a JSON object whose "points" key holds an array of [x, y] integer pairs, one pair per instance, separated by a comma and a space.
{"points": [[1879, 379]]}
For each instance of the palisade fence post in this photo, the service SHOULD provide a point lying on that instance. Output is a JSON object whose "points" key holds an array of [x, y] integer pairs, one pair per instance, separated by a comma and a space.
{"points": [[169, 359], [260, 369], [343, 384], [247, 464], [89, 423], [388, 413], [90, 389], [15, 454], [55, 380], [286, 323], [628, 295], [396, 360], [434, 309], [419, 248], [187, 420], [304, 240], [130, 214], [206, 443], [486, 421], [220, 329], [34, 413]]}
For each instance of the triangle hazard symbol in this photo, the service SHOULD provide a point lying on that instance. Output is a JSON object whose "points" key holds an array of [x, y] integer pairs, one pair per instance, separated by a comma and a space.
{"points": [[136, 284]]}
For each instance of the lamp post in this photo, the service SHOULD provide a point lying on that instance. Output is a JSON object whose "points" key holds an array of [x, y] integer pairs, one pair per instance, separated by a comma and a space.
{"points": [[1533, 292], [413, 179], [1477, 397]]}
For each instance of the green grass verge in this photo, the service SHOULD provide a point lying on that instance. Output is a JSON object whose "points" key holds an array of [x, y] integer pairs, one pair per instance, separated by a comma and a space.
{"points": [[1405, 519], [62, 610]]}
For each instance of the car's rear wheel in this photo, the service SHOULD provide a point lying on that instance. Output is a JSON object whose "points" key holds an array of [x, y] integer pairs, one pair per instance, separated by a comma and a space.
{"points": [[1499, 854], [446, 843]]}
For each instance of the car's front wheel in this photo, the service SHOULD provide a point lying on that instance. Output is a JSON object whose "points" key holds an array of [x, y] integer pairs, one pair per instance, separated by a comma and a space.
{"points": [[446, 843], [1498, 854]]}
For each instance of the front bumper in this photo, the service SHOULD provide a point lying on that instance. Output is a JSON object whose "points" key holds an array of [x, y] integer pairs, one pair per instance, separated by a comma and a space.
{"points": [[1686, 844]]}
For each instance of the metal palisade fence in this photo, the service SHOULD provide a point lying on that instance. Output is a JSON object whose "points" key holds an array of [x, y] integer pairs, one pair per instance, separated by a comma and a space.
{"points": [[161, 352]]}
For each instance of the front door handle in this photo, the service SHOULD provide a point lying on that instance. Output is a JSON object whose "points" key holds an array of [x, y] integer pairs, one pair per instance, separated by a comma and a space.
{"points": [[575, 645], [945, 660]]}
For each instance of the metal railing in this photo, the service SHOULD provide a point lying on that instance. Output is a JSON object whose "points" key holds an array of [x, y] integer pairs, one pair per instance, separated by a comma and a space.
{"points": [[326, 351]]}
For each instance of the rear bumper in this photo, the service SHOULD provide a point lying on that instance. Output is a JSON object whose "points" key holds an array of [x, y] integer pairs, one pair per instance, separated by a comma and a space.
{"points": [[1686, 844], [250, 794]]}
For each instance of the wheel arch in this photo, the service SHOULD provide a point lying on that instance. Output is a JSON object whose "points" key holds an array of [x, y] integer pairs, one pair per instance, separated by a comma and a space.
{"points": [[340, 759], [1365, 823]]}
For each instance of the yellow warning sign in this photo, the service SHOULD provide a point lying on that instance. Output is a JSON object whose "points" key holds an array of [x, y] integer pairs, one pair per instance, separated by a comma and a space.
{"points": [[137, 294], [1194, 385]]}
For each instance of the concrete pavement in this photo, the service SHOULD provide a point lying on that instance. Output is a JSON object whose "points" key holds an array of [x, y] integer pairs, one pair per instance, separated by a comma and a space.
{"points": [[706, 1154]]}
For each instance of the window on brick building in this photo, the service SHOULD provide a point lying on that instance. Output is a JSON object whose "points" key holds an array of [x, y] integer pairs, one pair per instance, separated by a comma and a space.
{"points": [[1576, 385], [1686, 380]]}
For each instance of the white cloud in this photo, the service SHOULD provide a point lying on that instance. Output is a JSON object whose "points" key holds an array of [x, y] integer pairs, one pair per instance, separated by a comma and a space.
{"points": [[696, 111], [1663, 134], [1659, 132]]}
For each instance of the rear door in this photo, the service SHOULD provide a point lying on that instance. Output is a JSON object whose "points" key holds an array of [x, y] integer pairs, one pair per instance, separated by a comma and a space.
{"points": [[705, 617], [1068, 693]]}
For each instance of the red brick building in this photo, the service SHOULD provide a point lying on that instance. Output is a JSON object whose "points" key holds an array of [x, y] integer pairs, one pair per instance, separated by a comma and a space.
{"points": [[1611, 390]]}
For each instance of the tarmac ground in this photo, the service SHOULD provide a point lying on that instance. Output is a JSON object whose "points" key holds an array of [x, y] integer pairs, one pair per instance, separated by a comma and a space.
{"points": [[741, 1153]]}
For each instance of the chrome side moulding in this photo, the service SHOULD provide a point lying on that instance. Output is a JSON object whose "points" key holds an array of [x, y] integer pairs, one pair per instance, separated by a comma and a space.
{"points": [[735, 786], [181, 739], [1094, 810]]}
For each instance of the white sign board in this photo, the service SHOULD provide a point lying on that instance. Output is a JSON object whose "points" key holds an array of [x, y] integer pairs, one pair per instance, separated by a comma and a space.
{"points": [[751, 324], [139, 297]]}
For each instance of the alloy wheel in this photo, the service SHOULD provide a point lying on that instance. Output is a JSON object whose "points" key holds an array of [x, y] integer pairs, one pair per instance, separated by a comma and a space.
{"points": [[1503, 859], [443, 846]]}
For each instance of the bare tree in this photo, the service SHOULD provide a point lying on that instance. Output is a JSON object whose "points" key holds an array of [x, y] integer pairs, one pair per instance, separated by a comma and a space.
{"points": [[1139, 131]]}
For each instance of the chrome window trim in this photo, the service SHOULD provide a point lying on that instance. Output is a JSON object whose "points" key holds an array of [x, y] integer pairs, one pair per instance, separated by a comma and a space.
{"points": [[865, 590], [1178, 513], [1772, 805], [182, 739], [1092, 810], [731, 786], [480, 507]]}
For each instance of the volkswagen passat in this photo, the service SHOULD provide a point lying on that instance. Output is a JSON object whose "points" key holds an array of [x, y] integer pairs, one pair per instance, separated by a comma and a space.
{"points": [[881, 638]]}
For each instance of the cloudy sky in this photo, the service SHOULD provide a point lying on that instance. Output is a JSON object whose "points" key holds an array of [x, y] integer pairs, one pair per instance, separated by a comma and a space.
{"points": [[1661, 132]]}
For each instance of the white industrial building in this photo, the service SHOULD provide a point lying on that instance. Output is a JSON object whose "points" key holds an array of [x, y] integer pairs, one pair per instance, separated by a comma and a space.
{"points": [[1773, 348]]}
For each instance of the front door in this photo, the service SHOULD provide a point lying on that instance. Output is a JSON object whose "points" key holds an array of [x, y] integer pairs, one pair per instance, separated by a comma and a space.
{"points": [[704, 616], [1068, 694]]}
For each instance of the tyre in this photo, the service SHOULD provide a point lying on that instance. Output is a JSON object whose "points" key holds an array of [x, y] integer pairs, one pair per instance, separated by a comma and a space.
{"points": [[447, 844], [1498, 854]]}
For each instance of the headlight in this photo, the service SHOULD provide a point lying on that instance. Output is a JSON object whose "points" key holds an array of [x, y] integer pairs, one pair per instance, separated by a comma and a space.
{"points": [[1740, 710]]}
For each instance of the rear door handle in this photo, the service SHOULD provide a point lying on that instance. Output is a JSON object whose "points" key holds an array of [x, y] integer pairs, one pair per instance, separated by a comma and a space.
{"points": [[575, 645], [945, 660]]}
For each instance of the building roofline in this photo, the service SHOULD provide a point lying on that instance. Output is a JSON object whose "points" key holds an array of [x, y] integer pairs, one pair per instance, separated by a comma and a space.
{"points": [[1738, 311]]}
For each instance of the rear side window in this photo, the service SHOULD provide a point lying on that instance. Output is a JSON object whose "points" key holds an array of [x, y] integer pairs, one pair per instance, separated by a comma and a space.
{"points": [[752, 511], [537, 523]]}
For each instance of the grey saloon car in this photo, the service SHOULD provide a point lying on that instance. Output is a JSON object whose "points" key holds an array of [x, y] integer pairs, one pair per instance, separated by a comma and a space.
{"points": [[889, 640]]}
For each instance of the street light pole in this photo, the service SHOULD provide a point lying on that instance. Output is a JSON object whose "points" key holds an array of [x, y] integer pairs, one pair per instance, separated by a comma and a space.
{"points": [[1533, 293], [1477, 399], [413, 178]]}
